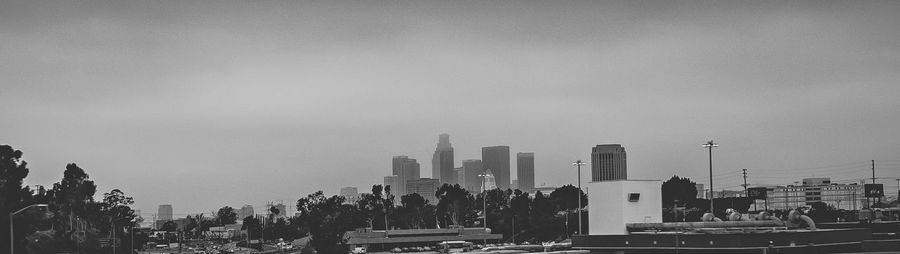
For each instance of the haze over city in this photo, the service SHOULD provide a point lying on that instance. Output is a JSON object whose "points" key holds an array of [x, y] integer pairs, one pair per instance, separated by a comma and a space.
{"points": [[205, 104]]}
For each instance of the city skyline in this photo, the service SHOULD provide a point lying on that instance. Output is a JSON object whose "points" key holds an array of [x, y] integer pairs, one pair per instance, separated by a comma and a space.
{"points": [[266, 101]]}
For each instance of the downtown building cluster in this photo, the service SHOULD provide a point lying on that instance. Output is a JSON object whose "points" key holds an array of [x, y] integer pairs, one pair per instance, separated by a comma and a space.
{"points": [[491, 171]]}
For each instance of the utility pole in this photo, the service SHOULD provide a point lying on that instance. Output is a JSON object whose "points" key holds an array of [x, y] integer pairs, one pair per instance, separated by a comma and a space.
{"points": [[873, 171], [578, 164], [709, 145], [747, 194]]}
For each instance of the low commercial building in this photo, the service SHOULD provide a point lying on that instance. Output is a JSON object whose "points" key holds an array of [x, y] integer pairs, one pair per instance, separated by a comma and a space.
{"points": [[386, 240], [840, 196]]}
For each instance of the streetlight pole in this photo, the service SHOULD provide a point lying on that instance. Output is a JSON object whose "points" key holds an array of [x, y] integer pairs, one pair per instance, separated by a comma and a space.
{"points": [[898, 189], [709, 145], [484, 201], [12, 249], [578, 165]]}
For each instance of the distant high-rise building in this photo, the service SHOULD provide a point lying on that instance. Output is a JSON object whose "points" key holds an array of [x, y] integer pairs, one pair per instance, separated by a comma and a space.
{"points": [[525, 171], [442, 164], [405, 169], [246, 210], [164, 213], [471, 170], [425, 187], [701, 191], [496, 159], [490, 181], [460, 177], [394, 182], [608, 163], [514, 184], [350, 194]]}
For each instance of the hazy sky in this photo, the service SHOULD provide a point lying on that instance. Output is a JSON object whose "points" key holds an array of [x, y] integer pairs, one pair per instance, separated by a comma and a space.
{"points": [[204, 104]]}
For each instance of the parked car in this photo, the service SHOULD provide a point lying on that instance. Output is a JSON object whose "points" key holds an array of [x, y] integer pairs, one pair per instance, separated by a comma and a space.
{"points": [[359, 250]]}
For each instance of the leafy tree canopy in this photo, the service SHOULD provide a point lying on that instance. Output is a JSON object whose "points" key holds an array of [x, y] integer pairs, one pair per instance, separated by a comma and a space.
{"points": [[566, 198], [226, 215], [677, 188]]}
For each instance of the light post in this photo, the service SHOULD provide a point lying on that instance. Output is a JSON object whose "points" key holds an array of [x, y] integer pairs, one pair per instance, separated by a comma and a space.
{"points": [[709, 145], [898, 189], [578, 165], [12, 249], [484, 201]]}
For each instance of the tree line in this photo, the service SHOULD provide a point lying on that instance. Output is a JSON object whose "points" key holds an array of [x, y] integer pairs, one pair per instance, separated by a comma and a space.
{"points": [[518, 216], [72, 219]]}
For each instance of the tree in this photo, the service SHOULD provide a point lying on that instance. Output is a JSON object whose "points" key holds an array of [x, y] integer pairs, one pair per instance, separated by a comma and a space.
{"points": [[411, 211], [226, 215], [542, 214], [520, 207], [116, 208], [373, 207], [455, 205], [677, 188], [565, 198], [13, 196], [78, 219], [497, 205], [253, 226], [328, 219]]}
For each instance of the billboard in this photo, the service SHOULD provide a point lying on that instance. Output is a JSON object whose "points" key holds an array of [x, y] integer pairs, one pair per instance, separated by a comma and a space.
{"points": [[757, 193], [874, 190]]}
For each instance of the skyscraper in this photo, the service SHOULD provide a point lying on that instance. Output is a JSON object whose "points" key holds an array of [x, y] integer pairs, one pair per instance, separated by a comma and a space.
{"points": [[394, 182], [442, 162], [525, 171], [608, 163], [405, 169], [164, 213], [460, 176], [496, 159], [471, 170], [246, 210], [425, 187]]}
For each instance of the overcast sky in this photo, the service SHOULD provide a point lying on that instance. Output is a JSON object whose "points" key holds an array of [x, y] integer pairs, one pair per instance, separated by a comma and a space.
{"points": [[205, 104]]}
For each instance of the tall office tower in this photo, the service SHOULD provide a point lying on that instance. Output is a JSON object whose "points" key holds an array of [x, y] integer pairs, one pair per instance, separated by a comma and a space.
{"points": [[405, 169], [471, 170], [394, 182], [425, 187], [246, 210], [442, 162], [608, 163], [525, 171], [350, 194], [460, 176], [496, 159], [164, 213]]}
